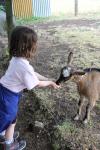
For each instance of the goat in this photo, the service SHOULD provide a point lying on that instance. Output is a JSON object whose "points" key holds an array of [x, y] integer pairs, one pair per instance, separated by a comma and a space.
{"points": [[88, 85]]}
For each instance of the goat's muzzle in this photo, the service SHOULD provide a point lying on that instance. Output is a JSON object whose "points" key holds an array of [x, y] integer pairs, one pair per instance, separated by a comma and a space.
{"points": [[62, 79]]}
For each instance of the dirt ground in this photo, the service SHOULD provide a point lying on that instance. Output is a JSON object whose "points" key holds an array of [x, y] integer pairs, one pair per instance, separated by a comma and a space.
{"points": [[56, 108]]}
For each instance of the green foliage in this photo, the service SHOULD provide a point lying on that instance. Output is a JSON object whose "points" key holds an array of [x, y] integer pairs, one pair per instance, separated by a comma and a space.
{"points": [[98, 106], [56, 146], [1, 8]]}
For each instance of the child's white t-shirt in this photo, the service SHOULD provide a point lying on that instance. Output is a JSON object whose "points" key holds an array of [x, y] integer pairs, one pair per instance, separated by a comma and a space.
{"points": [[19, 75]]}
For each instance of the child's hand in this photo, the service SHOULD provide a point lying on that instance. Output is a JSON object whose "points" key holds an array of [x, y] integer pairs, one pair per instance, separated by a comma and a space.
{"points": [[54, 85], [48, 83]]}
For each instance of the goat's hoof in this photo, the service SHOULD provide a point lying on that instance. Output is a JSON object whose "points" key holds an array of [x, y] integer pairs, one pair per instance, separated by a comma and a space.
{"points": [[85, 121], [76, 117]]}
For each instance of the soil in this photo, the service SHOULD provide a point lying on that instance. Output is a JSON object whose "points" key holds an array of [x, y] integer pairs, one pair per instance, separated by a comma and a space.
{"points": [[54, 107]]}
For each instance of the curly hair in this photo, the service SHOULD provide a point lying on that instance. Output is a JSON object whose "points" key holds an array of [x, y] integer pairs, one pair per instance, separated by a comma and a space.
{"points": [[22, 42]]}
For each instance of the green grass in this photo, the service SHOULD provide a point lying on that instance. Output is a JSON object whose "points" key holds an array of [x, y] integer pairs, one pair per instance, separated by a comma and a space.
{"points": [[31, 20], [61, 16], [85, 41], [46, 101], [67, 128], [98, 105]]}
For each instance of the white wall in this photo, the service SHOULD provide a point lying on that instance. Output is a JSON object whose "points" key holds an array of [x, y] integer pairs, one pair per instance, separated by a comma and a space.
{"points": [[67, 6], [62, 6], [89, 5]]}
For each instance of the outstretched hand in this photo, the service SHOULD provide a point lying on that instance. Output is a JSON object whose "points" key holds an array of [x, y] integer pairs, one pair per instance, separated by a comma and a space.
{"points": [[54, 85], [48, 84]]}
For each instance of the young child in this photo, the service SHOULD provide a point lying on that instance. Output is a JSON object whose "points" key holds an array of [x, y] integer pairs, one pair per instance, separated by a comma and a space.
{"points": [[19, 75]]}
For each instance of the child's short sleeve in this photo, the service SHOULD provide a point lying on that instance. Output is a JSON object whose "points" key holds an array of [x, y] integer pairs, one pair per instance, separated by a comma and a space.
{"points": [[30, 78]]}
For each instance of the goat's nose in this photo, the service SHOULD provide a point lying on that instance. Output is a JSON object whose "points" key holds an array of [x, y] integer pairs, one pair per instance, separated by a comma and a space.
{"points": [[60, 79], [57, 82]]}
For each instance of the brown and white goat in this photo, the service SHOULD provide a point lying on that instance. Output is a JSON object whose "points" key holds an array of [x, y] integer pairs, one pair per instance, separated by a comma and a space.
{"points": [[88, 84]]}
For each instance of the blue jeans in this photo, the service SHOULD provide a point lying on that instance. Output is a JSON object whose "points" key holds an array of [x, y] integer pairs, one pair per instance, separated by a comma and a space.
{"points": [[8, 107]]}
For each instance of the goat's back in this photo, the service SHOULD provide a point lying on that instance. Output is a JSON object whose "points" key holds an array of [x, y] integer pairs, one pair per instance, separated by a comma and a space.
{"points": [[90, 85]]}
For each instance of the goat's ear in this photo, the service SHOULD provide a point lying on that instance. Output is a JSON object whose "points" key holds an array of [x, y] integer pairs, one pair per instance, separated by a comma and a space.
{"points": [[78, 73], [70, 58]]}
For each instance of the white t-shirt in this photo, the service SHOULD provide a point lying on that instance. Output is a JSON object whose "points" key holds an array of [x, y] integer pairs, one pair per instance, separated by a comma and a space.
{"points": [[19, 75]]}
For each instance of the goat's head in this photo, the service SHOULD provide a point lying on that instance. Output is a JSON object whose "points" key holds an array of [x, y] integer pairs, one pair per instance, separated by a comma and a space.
{"points": [[68, 72]]}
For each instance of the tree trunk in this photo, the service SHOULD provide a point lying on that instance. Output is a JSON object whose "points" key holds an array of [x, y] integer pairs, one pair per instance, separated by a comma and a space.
{"points": [[9, 18], [76, 7]]}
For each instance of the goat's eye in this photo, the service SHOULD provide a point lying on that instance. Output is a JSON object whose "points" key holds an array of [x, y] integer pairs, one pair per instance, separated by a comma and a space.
{"points": [[66, 73]]}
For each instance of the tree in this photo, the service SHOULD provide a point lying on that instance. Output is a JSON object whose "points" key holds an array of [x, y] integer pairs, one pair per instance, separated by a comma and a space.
{"points": [[76, 7], [9, 18]]}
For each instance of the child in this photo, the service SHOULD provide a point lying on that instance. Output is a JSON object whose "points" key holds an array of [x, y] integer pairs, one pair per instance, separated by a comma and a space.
{"points": [[19, 75]]}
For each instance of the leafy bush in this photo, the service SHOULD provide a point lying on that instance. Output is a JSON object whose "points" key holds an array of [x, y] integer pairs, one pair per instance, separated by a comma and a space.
{"points": [[2, 8]]}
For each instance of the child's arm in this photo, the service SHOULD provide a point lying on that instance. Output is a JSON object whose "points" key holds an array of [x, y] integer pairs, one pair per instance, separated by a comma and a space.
{"points": [[48, 83], [40, 77], [44, 82]]}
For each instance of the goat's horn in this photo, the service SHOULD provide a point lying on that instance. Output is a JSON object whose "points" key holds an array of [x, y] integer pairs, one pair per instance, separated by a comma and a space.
{"points": [[70, 56]]}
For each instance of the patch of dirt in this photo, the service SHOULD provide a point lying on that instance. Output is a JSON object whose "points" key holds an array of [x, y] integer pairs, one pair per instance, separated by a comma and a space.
{"points": [[68, 23]]}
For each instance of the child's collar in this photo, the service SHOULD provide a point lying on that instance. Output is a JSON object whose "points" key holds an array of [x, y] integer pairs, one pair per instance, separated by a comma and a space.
{"points": [[22, 59]]}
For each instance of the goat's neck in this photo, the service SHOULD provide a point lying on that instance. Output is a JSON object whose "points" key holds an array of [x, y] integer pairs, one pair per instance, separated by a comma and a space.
{"points": [[79, 79]]}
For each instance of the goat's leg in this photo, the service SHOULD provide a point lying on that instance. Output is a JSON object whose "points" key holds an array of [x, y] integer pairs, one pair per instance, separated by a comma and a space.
{"points": [[80, 104], [89, 107]]}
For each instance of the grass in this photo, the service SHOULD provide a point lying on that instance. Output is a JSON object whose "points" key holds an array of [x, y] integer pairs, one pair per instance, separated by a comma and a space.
{"points": [[31, 20], [98, 106], [59, 17], [46, 101], [85, 41], [67, 128]]}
